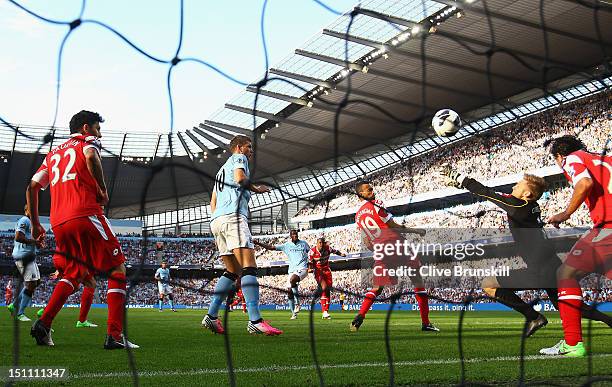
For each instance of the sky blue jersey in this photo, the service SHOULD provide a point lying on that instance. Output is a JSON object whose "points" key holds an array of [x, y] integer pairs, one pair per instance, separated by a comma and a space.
{"points": [[297, 254], [231, 198], [21, 250], [163, 274]]}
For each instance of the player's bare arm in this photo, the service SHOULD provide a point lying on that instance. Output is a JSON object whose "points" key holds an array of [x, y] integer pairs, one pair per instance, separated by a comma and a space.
{"points": [[20, 237], [94, 165], [264, 245], [242, 180], [581, 191], [213, 202], [38, 231]]}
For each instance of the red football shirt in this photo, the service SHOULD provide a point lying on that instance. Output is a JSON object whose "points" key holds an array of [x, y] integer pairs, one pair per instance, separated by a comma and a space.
{"points": [[320, 259], [372, 218], [73, 188], [581, 164]]}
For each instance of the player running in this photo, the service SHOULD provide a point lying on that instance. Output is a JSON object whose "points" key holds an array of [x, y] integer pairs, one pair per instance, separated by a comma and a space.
{"points": [[523, 214], [230, 209], [24, 254], [318, 260], [8, 293], [73, 171], [297, 255], [591, 176], [162, 275], [377, 226]]}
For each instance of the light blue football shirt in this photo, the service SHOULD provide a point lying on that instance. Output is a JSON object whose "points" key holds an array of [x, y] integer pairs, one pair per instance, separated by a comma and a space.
{"points": [[297, 254], [163, 274], [22, 250], [231, 198]]}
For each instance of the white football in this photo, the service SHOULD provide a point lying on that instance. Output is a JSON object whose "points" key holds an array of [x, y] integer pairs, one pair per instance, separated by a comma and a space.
{"points": [[446, 122]]}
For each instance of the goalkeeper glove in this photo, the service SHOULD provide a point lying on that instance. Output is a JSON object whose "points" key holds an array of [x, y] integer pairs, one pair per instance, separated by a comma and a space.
{"points": [[454, 178]]}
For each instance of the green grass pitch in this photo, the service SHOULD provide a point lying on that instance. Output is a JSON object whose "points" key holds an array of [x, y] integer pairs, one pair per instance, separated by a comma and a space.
{"points": [[175, 350]]}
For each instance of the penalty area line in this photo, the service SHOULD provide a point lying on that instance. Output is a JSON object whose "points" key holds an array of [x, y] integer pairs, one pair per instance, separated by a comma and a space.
{"points": [[212, 371]]}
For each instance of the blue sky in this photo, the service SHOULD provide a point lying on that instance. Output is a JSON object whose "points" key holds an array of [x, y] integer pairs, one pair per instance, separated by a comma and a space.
{"points": [[102, 73]]}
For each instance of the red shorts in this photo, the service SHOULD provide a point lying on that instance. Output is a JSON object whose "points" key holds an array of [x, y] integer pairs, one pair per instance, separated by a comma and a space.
{"points": [[323, 275], [91, 242], [593, 252]]}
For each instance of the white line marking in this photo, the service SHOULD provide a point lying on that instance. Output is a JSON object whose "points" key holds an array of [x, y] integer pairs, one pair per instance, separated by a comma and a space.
{"points": [[203, 371]]}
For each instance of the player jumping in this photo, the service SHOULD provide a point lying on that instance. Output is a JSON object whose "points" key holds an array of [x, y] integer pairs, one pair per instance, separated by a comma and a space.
{"points": [[523, 214], [24, 254], [297, 255], [377, 226], [318, 260], [162, 275], [230, 209], [591, 176], [73, 170]]}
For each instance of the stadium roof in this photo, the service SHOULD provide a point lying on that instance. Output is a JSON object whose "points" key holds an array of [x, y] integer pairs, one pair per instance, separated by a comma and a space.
{"points": [[379, 61]]}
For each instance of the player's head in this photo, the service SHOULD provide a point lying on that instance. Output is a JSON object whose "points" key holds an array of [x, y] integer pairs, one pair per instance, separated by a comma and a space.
{"points": [[293, 234], [164, 264], [241, 145], [563, 146], [364, 190], [530, 188], [87, 123], [320, 243]]}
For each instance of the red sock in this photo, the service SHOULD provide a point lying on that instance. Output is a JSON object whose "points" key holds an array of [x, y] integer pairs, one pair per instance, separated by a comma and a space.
{"points": [[116, 303], [367, 302], [62, 291], [86, 299], [423, 301], [323, 303], [570, 302]]}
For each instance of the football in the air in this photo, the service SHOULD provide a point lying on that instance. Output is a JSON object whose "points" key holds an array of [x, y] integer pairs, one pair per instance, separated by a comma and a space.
{"points": [[446, 122]]}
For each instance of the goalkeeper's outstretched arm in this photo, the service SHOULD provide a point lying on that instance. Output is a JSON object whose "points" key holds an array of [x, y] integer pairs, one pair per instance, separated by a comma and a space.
{"points": [[508, 203]]}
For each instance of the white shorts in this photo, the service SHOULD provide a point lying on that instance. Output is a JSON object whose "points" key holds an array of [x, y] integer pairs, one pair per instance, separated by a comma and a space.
{"points": [[231, 232], [301, 273], [164, 289], [30, 272]]}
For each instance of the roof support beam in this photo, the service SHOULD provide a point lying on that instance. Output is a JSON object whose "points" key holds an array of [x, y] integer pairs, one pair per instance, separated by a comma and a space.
{"points": [[207, 185], [332, 60], [408, 54], [204, 148], [389, 18], [289, 121], [480, 11], [343, 89], [279, 96]]}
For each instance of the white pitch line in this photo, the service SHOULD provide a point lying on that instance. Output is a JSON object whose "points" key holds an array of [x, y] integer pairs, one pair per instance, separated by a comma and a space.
{"points": [[205, 371]]}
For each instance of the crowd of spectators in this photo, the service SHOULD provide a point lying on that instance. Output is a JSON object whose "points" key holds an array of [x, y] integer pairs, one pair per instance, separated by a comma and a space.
{"points": [[509, 149]]}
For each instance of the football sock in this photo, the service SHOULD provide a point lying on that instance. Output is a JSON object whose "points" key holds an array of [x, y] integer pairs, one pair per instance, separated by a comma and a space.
{"points": [[367, 302], [86, 300], [323, 302], [423, 301], [570, 304], [115, 297], [295, 295], [511, 300], [160, 304], [250, 290], [222, 289], [171, 301], [61, 292], [291, 300], [26, 297], [588, 311]]}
